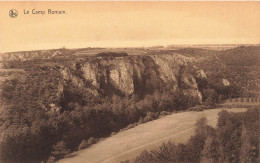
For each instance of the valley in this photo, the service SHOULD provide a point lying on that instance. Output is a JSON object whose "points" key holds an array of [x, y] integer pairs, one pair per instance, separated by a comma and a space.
{"points": [[78, 97], [128, 144]]}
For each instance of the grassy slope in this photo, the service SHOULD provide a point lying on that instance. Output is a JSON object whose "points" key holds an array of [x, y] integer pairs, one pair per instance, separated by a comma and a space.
{"points": [[128, 144], [239, 65]]}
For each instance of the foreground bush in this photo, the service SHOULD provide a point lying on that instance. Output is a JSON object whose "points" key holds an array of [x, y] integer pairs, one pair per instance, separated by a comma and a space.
{"points": [[60, 150], [164, 113], [91, 141], [84, 144], [150, 116], [235, 139], [198, 108]]}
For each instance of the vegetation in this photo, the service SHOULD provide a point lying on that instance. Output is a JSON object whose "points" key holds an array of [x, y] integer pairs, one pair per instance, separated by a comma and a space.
{"points": [[111, 54], [84, 144], [43, 117], [60, 150], [240, 66], [37, 123], [236, 139]]}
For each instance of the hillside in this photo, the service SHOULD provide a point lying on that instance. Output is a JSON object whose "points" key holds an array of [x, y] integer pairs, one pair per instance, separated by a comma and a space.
{"points": [[240, 66], [76, 94]]}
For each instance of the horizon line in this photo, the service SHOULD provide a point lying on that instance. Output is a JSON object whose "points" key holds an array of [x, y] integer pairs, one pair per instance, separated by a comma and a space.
{"points": [[152, 46]]}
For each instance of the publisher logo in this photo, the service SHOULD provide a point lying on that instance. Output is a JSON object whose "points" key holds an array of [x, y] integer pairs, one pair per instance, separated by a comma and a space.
{"points": [[13, 13]]}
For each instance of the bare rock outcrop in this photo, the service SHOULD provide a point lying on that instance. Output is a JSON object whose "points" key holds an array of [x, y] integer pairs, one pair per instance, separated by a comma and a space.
{"points": [[134, 75]]}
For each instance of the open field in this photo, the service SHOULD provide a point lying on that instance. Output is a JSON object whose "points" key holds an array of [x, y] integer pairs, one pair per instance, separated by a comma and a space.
{"points": [[128, 144]]}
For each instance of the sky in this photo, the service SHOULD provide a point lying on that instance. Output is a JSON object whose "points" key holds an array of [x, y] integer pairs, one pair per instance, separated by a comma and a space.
{"points": [[127, 24]]}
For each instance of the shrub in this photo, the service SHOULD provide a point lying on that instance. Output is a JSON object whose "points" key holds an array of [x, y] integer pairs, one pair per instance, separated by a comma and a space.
{"points": [[197, 108], [91, 141], [144, 157], [141, 120], [210, 103], [220, 98], [84, 144], [150, 116], [51, 159], [60, 150], [164, 113]]}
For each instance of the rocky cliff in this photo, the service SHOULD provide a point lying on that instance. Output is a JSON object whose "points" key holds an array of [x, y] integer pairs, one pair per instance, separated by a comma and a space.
{"points": [[129, 75]]}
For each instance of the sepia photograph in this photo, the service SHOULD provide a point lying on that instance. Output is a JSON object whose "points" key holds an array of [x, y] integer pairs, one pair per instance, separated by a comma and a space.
{"points": [[129, 81]]}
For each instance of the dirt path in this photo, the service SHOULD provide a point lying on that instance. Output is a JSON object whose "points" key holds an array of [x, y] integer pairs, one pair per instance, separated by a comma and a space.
{"points": [[128, 144]]}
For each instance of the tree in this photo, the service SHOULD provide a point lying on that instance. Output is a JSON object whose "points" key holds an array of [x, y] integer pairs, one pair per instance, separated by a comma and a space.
{"points": [[60, 150], [144, 157], [211, 151], [220, 98], [84, 144], [245, 147], [210, 102]]}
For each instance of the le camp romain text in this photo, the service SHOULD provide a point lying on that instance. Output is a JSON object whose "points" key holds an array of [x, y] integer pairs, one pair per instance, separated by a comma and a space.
{"points": [[43, 12]]}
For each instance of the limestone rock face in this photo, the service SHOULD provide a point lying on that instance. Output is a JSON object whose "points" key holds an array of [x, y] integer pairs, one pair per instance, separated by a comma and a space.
{"points": [[90, 72], [189, 86], [134, 75], [168, 69], [120, 75]]}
